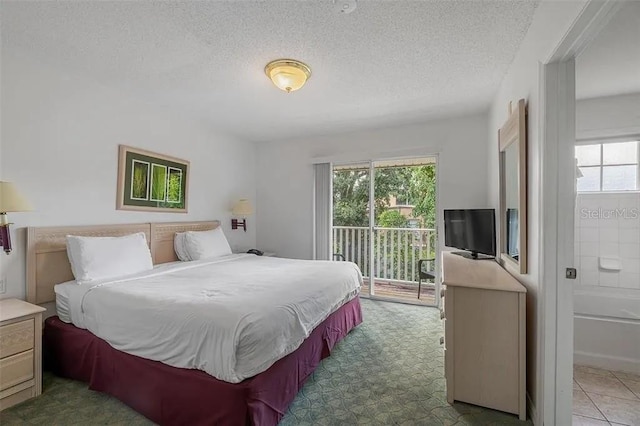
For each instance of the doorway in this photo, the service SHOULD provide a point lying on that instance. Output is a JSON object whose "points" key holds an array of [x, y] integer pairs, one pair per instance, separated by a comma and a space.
{"points": [[606, 294], [384, 220], [575, 209]]}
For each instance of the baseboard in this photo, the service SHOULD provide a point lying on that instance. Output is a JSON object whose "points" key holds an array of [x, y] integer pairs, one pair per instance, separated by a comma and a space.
{"points": [[531, 410], [607, 362]]}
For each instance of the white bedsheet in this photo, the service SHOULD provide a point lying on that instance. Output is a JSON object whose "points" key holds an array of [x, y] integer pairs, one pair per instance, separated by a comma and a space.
{"points": [[232, 317], [63, 293]]}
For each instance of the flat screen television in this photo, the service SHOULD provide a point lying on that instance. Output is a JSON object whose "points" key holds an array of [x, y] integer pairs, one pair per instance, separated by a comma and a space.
{"points": [[473, 230]]}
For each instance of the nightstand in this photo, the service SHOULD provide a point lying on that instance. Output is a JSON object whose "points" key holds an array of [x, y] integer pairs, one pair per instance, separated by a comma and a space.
{"points": [[20, 351]]}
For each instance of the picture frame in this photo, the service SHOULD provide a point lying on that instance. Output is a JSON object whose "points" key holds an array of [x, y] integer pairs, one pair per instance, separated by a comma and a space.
{"points": [[151, 182]]}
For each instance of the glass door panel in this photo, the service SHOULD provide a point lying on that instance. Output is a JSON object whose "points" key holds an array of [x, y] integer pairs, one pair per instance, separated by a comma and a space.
{"points": [[404, 233], [387, 226], [351, 224]]}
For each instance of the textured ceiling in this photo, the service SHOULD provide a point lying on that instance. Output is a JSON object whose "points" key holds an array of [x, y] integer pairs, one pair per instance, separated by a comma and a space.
{"points": [[611, 63], [388, 62]]}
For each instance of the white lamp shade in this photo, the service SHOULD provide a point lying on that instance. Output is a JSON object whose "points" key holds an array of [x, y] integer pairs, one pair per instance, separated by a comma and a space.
{"points": [[11, 200], [242, 208]]}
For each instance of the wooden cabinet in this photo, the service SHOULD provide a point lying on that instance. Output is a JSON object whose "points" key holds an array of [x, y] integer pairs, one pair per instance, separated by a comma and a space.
{"points": [[20, 351], [485, 334]]}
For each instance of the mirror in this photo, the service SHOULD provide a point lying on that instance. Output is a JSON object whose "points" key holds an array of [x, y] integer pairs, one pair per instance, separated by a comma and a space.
{"points": [[511, 201], [513, 188]]}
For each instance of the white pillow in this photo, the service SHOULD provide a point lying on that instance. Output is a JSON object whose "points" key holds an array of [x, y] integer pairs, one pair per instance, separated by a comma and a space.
{"points": [[206, 244], [179, 245], [96, 258]]}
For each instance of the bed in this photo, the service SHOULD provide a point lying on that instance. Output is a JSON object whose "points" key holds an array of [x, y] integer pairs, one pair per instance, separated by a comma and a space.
{"points": [[176, 390]]}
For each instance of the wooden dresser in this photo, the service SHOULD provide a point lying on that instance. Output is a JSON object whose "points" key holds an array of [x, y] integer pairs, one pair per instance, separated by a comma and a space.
{"points": [[20, 351], [485, 334]]}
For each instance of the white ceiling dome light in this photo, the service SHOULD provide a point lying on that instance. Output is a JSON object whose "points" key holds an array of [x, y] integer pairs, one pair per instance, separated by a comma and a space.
{"points": [[288, 74]]}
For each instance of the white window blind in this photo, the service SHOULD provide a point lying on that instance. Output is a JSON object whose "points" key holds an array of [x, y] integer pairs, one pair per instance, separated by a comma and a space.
{"points": [[322, 212]]}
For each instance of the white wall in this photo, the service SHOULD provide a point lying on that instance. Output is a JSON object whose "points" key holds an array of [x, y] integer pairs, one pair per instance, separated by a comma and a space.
{"points": [[550, 24], [610, 63], [1, 91], [60, 136], [607, 117], [285, 171]]}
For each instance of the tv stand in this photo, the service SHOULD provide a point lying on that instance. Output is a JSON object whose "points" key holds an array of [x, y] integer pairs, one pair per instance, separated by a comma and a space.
{"points": [[473, 255], [484, 335]]}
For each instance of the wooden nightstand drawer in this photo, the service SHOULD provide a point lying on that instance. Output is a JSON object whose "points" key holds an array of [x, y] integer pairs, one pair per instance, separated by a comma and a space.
{"points": [[17, 337], [20, 351], [16, 369]]}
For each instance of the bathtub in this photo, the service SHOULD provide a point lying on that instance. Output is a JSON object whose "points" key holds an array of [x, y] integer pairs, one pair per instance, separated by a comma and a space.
{"points": [[607, 328]]}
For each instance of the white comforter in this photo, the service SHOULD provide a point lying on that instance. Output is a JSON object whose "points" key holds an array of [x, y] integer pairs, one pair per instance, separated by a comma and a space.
{"points": [[232, 317]]}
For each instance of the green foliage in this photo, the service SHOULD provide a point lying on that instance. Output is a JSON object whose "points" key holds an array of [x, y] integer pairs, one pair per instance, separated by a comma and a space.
{"points": [[175, 183], [351, 194], [414, 184], [158, 182], [422, 193], [139, 184], [396, 250], [350, 197], [392, 219]]}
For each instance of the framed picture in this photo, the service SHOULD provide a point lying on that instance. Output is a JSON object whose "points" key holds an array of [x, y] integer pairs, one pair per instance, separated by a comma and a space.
{"points": [[151, 182]]}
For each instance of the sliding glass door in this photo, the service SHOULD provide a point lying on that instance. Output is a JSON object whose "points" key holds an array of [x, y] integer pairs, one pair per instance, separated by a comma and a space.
{"points": [[384, 220], [351, 230]]}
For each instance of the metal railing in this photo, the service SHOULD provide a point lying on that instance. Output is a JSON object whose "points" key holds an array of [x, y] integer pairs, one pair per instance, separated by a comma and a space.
{"points": [[396, 251]]}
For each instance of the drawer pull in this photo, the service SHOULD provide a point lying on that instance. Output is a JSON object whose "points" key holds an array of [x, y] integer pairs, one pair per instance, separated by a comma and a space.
{"points": [[441, 314], [443, 292], [442, 340]]}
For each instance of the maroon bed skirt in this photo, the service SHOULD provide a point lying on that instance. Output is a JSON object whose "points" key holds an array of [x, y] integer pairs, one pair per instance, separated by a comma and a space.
{"points": [[175, 396]]}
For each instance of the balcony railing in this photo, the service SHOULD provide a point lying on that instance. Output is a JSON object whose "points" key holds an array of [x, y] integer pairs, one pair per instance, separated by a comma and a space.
{"points": [[396, 251]]}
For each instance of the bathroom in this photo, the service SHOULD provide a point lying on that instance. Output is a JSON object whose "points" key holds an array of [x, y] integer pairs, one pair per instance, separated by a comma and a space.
{"points": [[607, 292], [607, 226]]}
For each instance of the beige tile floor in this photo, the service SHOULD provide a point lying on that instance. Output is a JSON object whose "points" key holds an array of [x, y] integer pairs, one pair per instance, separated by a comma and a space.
{"points": [[602, 397]]}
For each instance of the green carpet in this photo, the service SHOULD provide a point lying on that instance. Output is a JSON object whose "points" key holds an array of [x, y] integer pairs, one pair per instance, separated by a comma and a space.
{"points": [[388, 371]]}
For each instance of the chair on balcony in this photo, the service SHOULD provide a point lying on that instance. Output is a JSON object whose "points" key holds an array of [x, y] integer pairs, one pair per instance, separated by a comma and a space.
{"points": [[339, 257], [426, 272]]}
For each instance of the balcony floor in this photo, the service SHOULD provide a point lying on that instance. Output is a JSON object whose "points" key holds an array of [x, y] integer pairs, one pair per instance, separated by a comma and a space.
{"points": [[402, 292]]}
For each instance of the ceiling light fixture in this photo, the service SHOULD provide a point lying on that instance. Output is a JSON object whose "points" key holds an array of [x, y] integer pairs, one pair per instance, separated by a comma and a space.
{"points": [[288, 74]]}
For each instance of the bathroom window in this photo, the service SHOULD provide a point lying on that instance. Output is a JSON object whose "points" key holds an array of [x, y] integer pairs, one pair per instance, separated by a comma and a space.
{"points": [[609, 166]]}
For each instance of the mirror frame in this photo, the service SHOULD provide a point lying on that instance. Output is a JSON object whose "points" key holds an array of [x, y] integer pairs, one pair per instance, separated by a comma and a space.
{"points": [[514, 131]]}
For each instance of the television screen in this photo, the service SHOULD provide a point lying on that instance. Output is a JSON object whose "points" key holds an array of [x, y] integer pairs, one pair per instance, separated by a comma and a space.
{"points": [[471, 230]]}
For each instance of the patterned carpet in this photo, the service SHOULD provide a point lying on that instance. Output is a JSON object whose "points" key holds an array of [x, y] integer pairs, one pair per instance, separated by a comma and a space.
{"points": [[388, 371]]}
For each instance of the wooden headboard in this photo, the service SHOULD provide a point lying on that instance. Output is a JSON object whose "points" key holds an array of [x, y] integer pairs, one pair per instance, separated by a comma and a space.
{"points": [[48, 264]]}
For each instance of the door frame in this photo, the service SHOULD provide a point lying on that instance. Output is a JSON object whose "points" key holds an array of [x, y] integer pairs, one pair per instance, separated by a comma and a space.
{"points": [[557, 210], [439, 226]]}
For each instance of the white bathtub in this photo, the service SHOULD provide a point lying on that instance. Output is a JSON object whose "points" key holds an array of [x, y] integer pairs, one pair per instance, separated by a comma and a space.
{"points": [[607, 328]]}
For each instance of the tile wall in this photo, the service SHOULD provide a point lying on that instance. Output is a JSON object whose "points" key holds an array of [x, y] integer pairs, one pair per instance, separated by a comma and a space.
{"points": [[608, 239]]}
